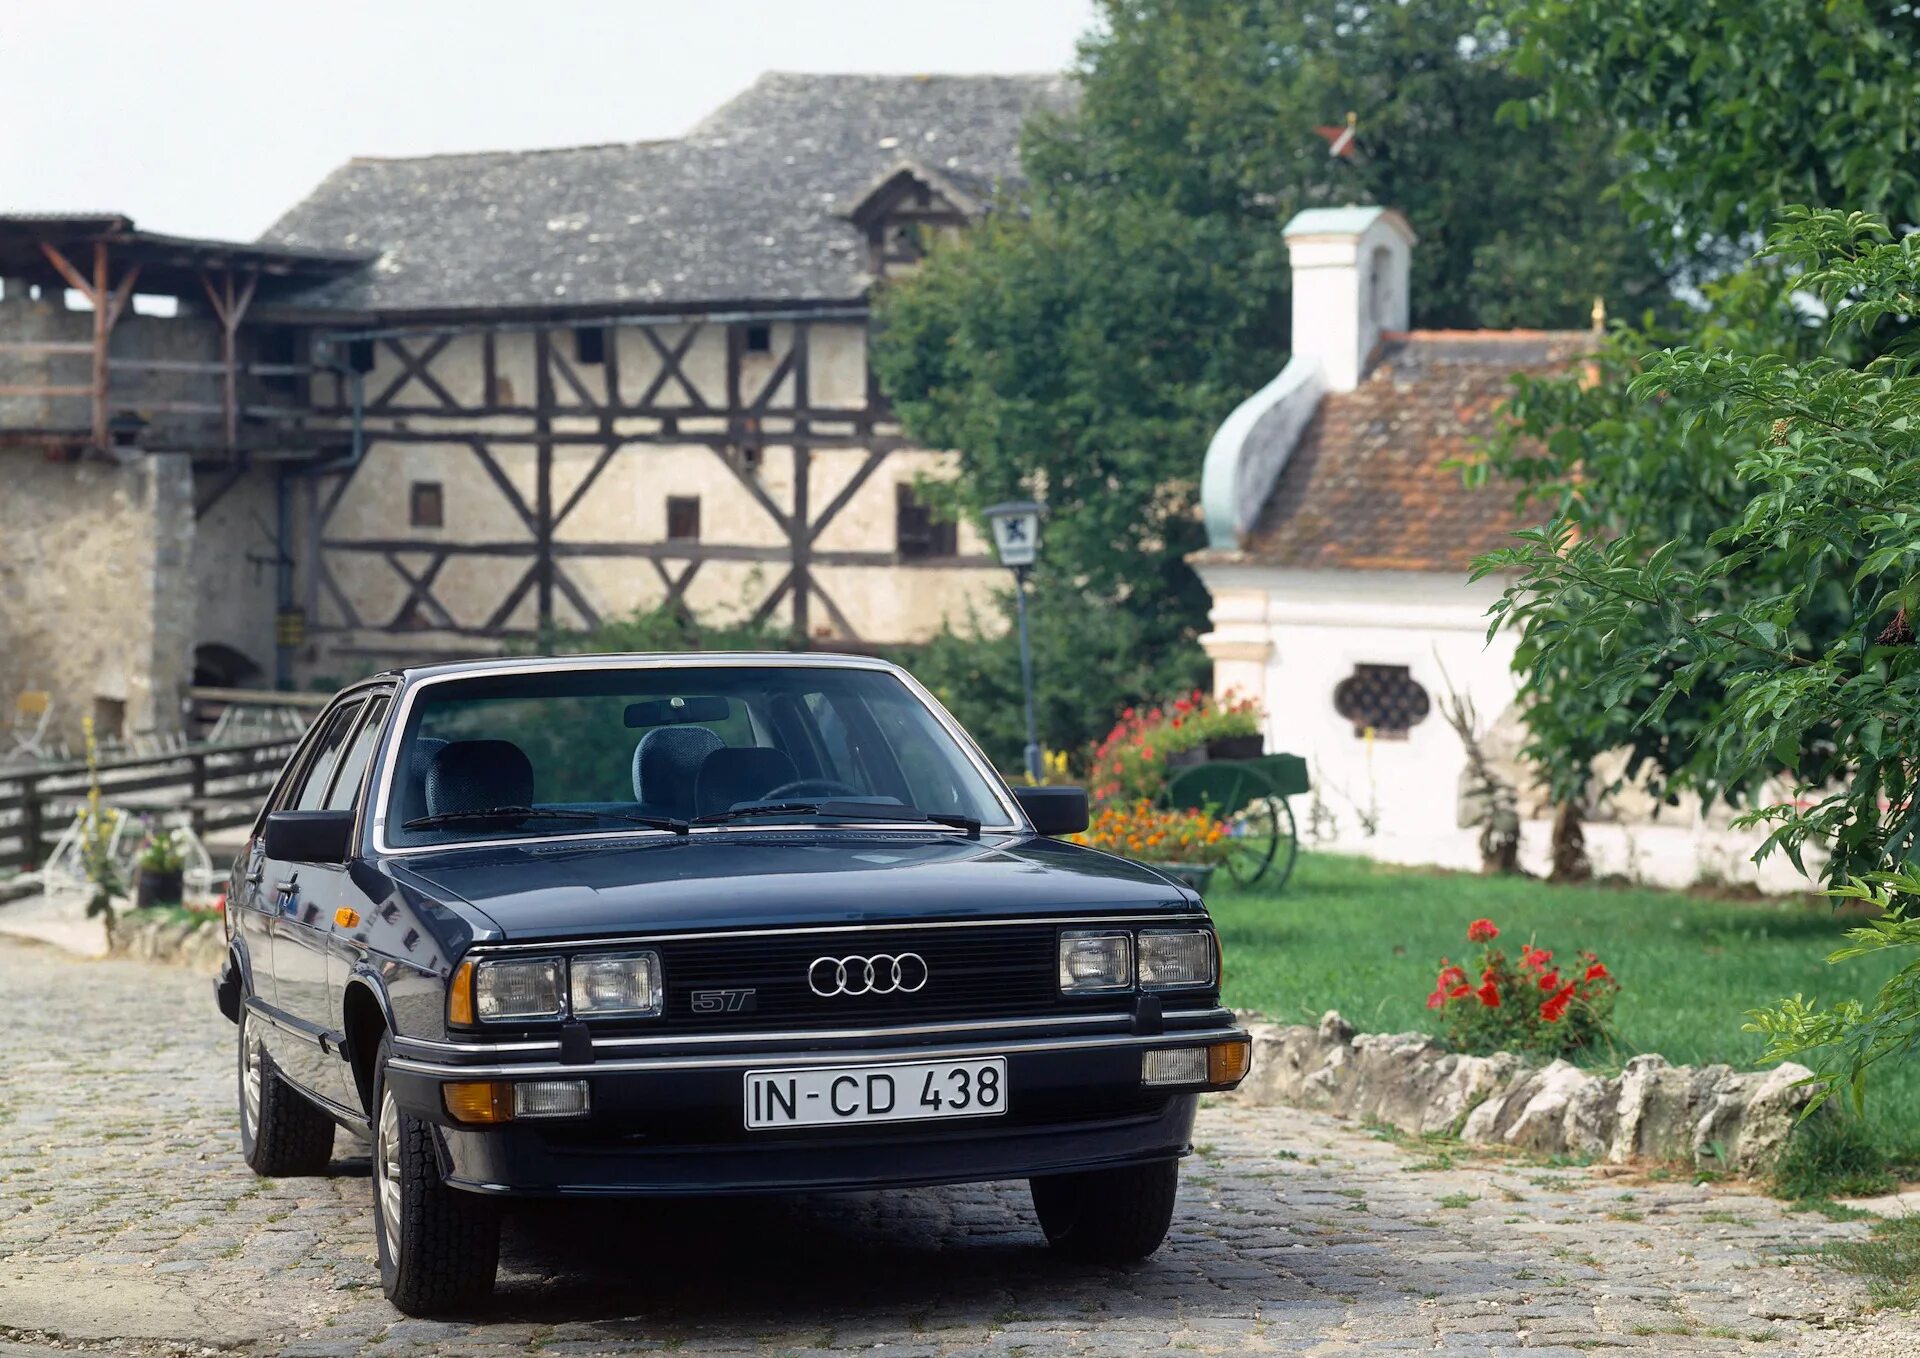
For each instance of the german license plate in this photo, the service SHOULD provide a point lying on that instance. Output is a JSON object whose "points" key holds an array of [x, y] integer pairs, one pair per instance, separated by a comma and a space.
{"points": [[905, 1091]]}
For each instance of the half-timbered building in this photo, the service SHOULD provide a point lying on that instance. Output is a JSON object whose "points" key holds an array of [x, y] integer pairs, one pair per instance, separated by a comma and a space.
{"points": [[454, 401]]}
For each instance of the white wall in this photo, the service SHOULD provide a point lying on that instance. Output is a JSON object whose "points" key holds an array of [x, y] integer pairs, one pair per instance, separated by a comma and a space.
{"points": [[1289, 637]]}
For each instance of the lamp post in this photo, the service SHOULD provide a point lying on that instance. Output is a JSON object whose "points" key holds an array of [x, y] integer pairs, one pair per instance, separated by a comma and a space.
{"points": [[1016, 537]]}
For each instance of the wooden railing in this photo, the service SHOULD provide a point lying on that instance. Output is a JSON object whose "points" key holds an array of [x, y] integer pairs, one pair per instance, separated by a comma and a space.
{"points": [[218, 786]]}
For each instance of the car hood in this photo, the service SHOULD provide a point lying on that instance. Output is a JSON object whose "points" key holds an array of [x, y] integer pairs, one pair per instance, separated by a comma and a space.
{"points": [[773, 878]]}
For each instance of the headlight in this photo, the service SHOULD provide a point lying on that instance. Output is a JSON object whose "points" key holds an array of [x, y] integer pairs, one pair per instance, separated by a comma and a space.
{"points": [[627, 984], [1170, 958], [1092, 960], [518, 989]]}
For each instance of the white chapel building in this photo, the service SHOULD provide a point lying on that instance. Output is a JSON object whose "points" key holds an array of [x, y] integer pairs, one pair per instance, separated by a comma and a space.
{"points": [[1340, 539]]}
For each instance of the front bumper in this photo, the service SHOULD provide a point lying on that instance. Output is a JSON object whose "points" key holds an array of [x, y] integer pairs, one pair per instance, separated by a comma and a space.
{"points": [[671, 1123]]}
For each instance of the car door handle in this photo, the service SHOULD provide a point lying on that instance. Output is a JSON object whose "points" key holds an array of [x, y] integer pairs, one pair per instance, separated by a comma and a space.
{"points": [[286, 886]]}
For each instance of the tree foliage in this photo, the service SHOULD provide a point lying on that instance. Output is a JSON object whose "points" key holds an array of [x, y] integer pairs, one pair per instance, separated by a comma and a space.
{"points": [[1798, 608], [1084, 343], [1728, 109]]}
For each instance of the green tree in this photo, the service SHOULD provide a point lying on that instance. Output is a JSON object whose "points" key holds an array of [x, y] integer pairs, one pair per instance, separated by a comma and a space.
{"points": [[1085, 341], [1727, 109], [1829, 716], [1722, 110]]}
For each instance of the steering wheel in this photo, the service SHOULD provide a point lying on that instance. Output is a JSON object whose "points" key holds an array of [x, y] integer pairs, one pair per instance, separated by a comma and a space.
{"points": [[812, 787]]}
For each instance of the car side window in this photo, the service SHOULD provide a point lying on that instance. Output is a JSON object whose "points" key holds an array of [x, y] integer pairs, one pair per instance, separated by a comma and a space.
{"points": [[312, 790], [353, 768]]}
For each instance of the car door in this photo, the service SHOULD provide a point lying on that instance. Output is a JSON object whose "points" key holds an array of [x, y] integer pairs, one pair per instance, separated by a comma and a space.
{"points": [[250, 898], [302, 894], [342, 908]]}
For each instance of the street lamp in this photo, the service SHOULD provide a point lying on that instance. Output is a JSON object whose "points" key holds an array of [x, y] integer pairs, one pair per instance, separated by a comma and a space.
{"points": [[1016, 537]]}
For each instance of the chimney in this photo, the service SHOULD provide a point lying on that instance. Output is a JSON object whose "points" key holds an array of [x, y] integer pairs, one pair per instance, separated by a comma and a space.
{"points": [[1349, 285]]}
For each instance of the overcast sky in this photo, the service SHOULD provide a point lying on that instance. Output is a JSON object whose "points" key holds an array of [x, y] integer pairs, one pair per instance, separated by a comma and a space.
{"points": [[211, 117]]}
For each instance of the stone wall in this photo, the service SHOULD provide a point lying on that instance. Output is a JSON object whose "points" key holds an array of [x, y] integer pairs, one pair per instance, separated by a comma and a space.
{"points": [[1712, 1116], [96, 591]]}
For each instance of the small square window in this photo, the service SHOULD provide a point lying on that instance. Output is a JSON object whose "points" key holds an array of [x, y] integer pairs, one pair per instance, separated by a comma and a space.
{"points": [[683, 518], [759, 339], [917, 533], [590, 344], [426, 505]]}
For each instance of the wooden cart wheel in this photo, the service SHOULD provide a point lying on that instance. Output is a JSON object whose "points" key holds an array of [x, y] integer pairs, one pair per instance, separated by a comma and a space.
{"points": [[1258, 818]]}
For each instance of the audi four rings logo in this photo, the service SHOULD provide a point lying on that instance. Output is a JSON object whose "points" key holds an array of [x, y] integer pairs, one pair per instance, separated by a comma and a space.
{"points": [[881, 974]]}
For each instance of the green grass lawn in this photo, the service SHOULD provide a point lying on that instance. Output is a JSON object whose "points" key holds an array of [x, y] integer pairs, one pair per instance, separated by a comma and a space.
{"points": [[1366, 939]]}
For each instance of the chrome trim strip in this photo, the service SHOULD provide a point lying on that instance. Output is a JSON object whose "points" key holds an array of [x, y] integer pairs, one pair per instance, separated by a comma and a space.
{"points": [[1047, 921], [1016, 821], [865, 1056], [955, 1028]]}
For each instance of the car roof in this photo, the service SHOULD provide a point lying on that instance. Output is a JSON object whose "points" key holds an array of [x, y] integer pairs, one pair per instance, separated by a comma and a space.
{"points": [[637, 659]]}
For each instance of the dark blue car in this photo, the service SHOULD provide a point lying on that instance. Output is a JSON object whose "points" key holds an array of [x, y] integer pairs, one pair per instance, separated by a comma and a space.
{"points": [[692, 925]]}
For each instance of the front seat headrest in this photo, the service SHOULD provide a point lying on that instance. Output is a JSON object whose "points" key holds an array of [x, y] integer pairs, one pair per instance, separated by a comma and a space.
{"points": [[666, 765], [743, 774], [477, 775]]}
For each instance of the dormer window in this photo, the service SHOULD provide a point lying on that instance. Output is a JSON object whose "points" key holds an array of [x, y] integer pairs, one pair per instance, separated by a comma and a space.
{"points": [[905, 212]]}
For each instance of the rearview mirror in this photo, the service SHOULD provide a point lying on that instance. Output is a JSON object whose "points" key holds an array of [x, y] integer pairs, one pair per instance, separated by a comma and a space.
{"points": [[677, 711], [1054, 810], [309, 836]]}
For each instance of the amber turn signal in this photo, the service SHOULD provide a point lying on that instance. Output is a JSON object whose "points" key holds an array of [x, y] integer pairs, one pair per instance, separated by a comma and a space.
{"points": [[460, 995], [1229, 1062], [346, 917], [479, 1100]]}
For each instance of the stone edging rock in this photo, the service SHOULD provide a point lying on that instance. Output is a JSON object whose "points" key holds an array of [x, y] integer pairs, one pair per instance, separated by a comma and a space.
{"points": [[1711, 1116], [200, 945]]}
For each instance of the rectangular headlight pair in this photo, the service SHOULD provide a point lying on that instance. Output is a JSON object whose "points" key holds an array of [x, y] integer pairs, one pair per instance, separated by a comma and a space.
{"points": [[605, 985], [1097, 960]]}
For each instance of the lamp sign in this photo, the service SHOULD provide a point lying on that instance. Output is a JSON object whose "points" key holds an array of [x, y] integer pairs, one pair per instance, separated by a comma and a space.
{"points": [[1016, 537], [1016, 533]]}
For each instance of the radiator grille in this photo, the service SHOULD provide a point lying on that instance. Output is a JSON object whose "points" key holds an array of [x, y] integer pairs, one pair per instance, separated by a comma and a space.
{"points": [[995, 971]]}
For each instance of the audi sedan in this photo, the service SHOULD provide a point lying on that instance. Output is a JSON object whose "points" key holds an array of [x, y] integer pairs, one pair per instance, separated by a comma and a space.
{"points": [[696, 925]]}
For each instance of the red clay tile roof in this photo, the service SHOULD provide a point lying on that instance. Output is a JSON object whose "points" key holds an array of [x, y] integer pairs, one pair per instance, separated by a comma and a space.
{"points": [[1368, 489]]}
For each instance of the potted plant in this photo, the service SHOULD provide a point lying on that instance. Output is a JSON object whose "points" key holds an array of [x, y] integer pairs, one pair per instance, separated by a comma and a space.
{"points": [[158, 870], [1187, 845], [1134, 758]]}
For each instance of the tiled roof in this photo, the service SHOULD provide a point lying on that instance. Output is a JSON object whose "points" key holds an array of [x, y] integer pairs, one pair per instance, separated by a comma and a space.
{"points": [[1368, 487], [749, 207]]}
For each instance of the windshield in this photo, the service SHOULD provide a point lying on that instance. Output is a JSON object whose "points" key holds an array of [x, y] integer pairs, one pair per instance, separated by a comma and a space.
{"points": [[601, 750]]}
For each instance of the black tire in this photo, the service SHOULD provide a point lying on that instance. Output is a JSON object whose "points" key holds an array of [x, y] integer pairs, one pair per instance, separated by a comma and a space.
{"points": [[1108, 1216], [441, 1254], [282, 1134]]}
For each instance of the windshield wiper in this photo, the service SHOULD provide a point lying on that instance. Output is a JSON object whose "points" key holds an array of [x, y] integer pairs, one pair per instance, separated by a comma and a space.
{"points": [[869, 811], [493, 813]]}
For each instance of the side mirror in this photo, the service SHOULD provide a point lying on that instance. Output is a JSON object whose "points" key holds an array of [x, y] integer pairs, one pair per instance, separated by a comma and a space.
{"points": [[309, 836], [1054, 810]]}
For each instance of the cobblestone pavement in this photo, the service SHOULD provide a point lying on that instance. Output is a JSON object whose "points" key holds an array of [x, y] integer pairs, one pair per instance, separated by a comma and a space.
{"points": [[129, 1224]]}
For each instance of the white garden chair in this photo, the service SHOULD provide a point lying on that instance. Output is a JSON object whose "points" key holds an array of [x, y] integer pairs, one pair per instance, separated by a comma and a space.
{"points": [[28, 724]]}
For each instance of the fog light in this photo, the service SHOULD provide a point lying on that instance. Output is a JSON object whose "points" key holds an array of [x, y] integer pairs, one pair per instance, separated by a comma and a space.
{"points": [[1229, 1062], [479, 1100], [1175, 1066], [550, 1099]]}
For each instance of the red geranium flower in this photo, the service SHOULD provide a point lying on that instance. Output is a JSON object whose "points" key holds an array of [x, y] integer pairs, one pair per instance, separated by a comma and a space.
{"points": [[1481, 930], [1598, 972], [1534, 957], [1556, 1008], [1551, 981]]}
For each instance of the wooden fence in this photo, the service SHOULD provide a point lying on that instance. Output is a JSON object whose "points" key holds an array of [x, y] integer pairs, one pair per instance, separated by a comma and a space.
{"points": [[219, 786]]}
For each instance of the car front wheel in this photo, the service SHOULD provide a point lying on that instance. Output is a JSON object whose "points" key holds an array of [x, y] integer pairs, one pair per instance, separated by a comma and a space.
{"points": [[439, 1247], [281, 1133], [1108, 1216]]}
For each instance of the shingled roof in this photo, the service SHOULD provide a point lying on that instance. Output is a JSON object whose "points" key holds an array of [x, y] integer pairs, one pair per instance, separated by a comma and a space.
{"points": [[1368, 488], [748, 208]]}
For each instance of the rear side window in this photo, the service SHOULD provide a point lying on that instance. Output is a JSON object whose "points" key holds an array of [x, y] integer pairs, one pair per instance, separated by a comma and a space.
{"points": [[311, 793], [353, 768]]}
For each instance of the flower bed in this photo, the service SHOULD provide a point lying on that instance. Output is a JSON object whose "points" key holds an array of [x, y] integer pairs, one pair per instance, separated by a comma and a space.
{"points": [[1141, 831], [1131, 763], [1531, 1006]]}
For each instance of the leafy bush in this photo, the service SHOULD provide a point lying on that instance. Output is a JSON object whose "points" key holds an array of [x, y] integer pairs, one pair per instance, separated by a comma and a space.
{"points": [[1529, 1006], [1132, 761], [162, 852], [1139, 830]]}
